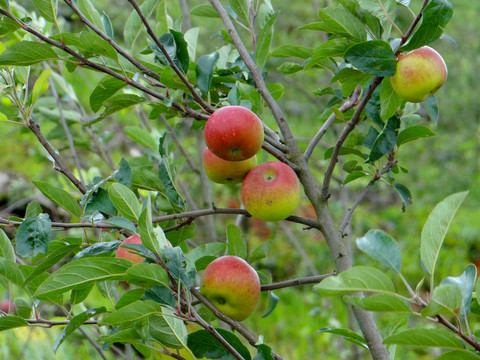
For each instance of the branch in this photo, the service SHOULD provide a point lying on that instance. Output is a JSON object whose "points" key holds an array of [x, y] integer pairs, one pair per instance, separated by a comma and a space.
{"points": [[196, 96], [347, 105], [412, 27], [343, 136], [295, 282], [51, 323]]}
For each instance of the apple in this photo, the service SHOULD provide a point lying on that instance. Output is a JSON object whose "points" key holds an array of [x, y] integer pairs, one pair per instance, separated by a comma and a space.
{"points": [[225, 171], [127, 254], [232, 285], [234, 133], [419, 74], [271, 191], [7, 306]]}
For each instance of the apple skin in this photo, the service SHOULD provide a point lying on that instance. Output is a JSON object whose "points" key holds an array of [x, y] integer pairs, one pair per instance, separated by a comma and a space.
{"points": [[419, 74], [234, 133], [126, 254], [6, 305], [224, 171], [271, 191], [232, 285]]}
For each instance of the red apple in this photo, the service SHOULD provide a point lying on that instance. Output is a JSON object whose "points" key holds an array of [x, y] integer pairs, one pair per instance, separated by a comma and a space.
{"points": [[234, 133], [126, 254], [271, 191], [7, 306], [225, 171], [419, 74], [232, 285]]}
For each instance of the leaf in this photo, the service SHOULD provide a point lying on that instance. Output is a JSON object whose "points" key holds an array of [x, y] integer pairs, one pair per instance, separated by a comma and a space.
{"points": [[372, 57], [98, 248], [60, 197], [264, 40], [105, 89], [260, 252], [264, 352], [204, 10], [446, 300], [466, 283], [344, 151], [168, 330], [88, 10], [382, 247], [6, 247], [425, 338], [241, 8], [292, 51], [160, 294], [432, 108], [7, 26], [413, 133], [205, 345], [377, 8], [435, 230], [83, 272], [33, 236], [380, 303], [24, 53], [129, 297], [342, 22], [141, 136], [236, 244], [347, 335], [124, 174], [147, 233], [458, 355], [125, 201], [404, 194], [11, 271], [435, 17], [121, 223], [181, 50], [74, 324], [358, 278], [385, 141], [117, 103], [147, 275], [41, 85], [331, 48], [11, 322], [353, 176], [132, 312], [273, 300], [205, 67], [107, 23], [209, 251], [99, 201], [389, 101], [134, 25]]}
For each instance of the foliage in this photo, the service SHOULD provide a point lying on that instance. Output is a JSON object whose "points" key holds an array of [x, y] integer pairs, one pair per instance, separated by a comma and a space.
{"points": [[117, 103]]}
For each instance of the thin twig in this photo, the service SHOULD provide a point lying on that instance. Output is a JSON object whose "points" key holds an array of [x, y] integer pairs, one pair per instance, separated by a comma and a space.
{"points": [[412, 27], [296, 282]]}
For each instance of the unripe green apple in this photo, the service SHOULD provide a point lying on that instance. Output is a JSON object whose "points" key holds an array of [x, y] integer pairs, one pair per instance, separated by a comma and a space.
{"points": [[419, 74], [232, 285], [234, 133], [271, 191], [225, 171]]}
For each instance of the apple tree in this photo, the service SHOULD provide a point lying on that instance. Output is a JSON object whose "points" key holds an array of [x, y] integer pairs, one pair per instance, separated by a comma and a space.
{"points": [[117, 99]]}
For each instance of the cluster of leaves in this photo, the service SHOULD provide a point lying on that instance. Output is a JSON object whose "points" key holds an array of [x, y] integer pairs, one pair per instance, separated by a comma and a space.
{"points": [[164, 79]]}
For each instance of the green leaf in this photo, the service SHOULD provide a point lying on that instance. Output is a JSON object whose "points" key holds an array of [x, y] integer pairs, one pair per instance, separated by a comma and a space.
{"points": [[273, 300], [446, 300], [206, 251], [117, 103], [435, 230], [7, 25], [181, 50], [204, 10], [83, 272], [353, 176], [11, 322], [124, 174], [435, 17], [344, 151], [404, 194], [413, 133], [88, 10], [105, 89], [121, 223], [47, 8], [260, 252], [389, 101], [425, 338], [6, 247], [11, 271], [264, 352], [132, 312], [134, 25], [236, 244], [41, 85], [264, 40], [77, 296], [141, 136], [382, 247], [347, 335], [458, 355], [100, 201], [24, 53], [33, 236], [372, 57], [129, 297], [289, 68], [107, 23], [342, 22], [168, 330], [241, 8], [385, 141], [125, 201], [147, 275], [466, 283], [74, 324], [205, 345], [358, 278], [60, 197], [331, 48], [52, 259], [432, 108], [147, 233], [383, 10], [33, 209], [205, 67], [380, 303], [98, 248], [160, 294], [292, 51]]}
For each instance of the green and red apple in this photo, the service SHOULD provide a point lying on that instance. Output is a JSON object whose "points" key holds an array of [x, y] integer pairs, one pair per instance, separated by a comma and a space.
{"points": [[234, 133], [419, 74], [225, 171], [271, 191], [7, 306], [232, 285], [127, 254]]}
